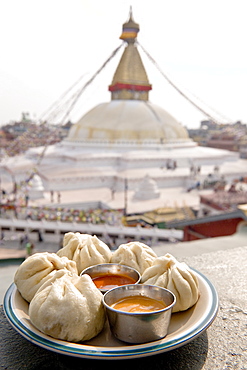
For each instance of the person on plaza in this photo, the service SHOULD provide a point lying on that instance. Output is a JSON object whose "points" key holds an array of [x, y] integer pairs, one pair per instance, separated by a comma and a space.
{"points": [[29, 248], [24, 240], [26, 199], [40, 237], [2, 238]]}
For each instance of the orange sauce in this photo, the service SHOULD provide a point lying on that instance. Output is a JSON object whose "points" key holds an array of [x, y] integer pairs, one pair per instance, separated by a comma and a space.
{"points": [[110, 281], [138, 303]]}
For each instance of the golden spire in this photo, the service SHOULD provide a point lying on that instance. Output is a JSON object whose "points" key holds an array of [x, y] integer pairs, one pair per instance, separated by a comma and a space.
{"points": [[130, 81]]}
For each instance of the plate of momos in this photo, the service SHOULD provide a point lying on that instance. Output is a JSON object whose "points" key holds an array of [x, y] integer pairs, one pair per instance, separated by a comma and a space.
{"points": [[54, 306]]}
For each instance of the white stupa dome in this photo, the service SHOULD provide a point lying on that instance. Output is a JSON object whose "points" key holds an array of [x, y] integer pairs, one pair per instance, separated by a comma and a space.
{"points": [[128, 120]]}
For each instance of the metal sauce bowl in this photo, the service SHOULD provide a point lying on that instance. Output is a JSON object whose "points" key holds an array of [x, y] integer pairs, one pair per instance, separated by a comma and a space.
{"points": [[139, 327], [112, 268]]}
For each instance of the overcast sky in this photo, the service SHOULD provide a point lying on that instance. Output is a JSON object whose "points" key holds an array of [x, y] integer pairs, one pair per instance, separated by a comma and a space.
{"points": [[46, 45]]}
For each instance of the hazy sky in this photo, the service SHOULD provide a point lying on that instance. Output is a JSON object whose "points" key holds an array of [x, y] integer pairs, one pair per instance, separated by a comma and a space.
{"points": [[46, 45]]}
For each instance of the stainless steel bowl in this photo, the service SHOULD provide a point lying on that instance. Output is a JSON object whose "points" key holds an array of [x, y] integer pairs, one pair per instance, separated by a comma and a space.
{"points": [[139, 327], [112, 268]]}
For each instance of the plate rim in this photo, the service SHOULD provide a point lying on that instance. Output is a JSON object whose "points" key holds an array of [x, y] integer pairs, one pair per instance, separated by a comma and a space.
{"points": [[96, 352]]}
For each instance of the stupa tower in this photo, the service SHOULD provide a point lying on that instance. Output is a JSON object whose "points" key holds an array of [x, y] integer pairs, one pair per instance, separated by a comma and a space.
{"points": [[129, 121]]}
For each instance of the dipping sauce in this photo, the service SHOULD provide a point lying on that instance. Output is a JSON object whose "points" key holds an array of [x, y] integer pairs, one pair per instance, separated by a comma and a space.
{"points": [[138, 303], [109, 281]]}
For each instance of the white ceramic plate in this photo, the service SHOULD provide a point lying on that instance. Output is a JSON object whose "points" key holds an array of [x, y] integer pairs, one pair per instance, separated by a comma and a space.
{"points": [[184, 327]]}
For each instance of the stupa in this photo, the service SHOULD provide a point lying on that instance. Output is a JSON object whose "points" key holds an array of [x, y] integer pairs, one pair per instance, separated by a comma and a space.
{"points": [[147, 189], [129, 121], [122, 139], [36, 188]]}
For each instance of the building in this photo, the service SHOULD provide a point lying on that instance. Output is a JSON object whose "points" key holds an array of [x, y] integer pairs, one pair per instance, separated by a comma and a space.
{"points": [[232, 136]]}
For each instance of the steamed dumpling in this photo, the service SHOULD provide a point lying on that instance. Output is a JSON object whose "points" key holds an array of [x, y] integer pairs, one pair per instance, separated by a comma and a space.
{"points": [[85, 250], [37, 269], [134, 254], [69, 309], [176, 276]]}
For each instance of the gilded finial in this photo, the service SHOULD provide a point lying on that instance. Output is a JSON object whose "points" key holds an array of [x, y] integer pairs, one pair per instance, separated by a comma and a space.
{"points": [[130, 29]]}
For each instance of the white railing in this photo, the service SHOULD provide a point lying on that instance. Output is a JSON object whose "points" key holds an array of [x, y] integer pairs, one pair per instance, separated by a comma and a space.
{"points": [[59, 227]]}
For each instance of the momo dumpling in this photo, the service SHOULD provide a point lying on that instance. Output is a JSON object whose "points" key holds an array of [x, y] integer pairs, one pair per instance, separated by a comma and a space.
{"points": [[69, 309], [134, 254], [176, 276], [37, 269], [85, 250]]}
